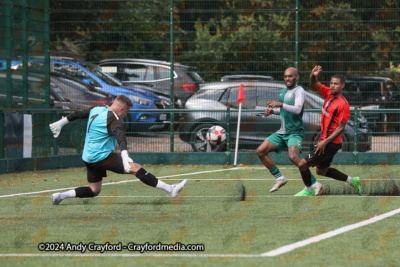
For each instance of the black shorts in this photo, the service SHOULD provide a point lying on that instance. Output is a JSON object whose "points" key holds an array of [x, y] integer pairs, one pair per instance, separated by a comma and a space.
{"points": [[97, 170], [323, 161]]}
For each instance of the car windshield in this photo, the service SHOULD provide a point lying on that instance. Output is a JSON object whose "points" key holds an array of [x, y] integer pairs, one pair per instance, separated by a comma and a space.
{"points": [[107, 78]]}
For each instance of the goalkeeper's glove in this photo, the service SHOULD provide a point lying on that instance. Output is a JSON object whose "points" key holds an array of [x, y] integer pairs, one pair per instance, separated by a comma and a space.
{"points": [[126, 160], [56, 126]]}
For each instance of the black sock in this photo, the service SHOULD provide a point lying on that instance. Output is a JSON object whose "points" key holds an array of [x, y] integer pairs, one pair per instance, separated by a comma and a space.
{"points": [[146, 177], [306, 176], [84, 192], [337, 175]]}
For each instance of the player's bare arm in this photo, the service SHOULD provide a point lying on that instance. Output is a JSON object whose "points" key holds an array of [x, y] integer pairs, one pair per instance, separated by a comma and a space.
{"points": [[275, 104], [320, 147], [268, 111], [315, 84]]}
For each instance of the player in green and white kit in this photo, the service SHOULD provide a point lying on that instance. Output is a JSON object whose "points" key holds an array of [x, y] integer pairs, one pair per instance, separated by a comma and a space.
{"points": [[291, 134]]}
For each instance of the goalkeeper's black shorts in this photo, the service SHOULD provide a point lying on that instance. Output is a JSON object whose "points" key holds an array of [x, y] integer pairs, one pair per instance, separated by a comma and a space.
{"points": [[97, 170], [323, 161]]}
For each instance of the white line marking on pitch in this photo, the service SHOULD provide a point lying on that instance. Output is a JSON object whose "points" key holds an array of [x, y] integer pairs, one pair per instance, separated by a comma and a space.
{"points": [[125, 181], [318, 238], [179, 175], [272, 253], [232, 196]]}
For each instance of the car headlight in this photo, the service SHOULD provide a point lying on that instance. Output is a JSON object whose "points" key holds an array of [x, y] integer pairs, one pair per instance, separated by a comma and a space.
{"points": [[140, 100], [165, 101]]}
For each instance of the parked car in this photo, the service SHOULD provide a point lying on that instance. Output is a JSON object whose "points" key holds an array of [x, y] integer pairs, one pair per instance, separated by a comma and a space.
{"points": [[156, 74], [37, 99], [79, 94], [255, 126], [14, 64], [371, 93], [247, 77], [141, 99]]}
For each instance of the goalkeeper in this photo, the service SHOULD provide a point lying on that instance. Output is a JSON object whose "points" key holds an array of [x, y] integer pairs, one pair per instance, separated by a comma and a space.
{"points": [[103, 131]]}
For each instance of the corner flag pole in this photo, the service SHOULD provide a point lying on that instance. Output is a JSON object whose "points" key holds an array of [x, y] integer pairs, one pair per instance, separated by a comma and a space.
{"points": [[241, 98]]}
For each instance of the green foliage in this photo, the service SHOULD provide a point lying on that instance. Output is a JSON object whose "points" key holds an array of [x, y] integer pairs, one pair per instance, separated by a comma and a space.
{"points": [[228, 37]]}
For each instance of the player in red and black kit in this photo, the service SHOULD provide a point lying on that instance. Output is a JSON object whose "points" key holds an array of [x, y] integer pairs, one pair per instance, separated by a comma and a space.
{"points": [[335, 114]]}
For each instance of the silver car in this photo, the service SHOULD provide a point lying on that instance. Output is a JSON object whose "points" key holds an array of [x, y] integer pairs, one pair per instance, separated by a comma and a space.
{"points": [[255, 126]]}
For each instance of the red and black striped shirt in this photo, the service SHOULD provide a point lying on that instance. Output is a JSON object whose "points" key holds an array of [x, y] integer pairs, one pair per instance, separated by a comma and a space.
{"points": [[334, 110]]}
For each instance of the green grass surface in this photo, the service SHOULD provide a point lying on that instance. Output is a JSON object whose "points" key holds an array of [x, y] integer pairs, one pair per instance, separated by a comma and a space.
{"points": [[206, 212]]}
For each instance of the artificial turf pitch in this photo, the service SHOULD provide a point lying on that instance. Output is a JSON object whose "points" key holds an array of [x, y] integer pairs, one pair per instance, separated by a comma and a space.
{"points": [[209, 211]]}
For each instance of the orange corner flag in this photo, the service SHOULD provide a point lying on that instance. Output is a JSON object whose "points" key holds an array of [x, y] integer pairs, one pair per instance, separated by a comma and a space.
{"points": [[241, 97]]}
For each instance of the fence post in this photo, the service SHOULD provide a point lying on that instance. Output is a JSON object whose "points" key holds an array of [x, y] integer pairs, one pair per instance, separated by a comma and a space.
{"points": [[171, 36], [24, 51], [1, 135], [355, 152], [228, 127], [8, 54], [297, 35], [171, 132], [55, 143]]}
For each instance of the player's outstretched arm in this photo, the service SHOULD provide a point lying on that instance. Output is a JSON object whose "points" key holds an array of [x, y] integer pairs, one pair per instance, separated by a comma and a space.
{"points": [[315, 84], [56, 126]]}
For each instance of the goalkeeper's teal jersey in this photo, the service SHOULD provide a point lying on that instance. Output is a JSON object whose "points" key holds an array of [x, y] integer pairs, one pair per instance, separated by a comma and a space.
{"points": [[99, 143], [291, 123]]}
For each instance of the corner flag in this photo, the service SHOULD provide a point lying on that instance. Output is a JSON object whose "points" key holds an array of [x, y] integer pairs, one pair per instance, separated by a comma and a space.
{"points": [[241, 98]]}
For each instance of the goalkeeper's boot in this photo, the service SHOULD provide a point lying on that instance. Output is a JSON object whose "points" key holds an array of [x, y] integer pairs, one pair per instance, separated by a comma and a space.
{"points": [[278, 184], [355, 183], [305, 193], [317, 188], [176, 188], [55, 198]]}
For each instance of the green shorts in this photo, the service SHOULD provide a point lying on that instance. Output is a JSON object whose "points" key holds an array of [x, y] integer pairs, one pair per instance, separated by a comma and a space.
{"points": [[283, 141]]}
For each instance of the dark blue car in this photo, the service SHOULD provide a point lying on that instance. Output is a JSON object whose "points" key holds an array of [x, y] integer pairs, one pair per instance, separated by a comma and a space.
{"points": [[141, 99]]}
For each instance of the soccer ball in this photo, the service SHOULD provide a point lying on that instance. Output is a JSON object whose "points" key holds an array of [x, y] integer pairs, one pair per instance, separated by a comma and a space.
{"points": [[216, 135]]}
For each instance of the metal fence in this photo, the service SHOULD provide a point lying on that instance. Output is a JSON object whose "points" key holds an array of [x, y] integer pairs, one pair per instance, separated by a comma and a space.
{"points": [[24, 36], [190, 136], [213, 39]]}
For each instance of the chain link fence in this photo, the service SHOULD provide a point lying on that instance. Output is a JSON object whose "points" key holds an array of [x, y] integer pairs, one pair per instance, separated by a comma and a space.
{"points": [[50, 53]]}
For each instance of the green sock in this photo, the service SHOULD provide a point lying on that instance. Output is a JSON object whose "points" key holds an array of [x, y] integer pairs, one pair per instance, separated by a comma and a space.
{"points": [[313, 180], [275, 172]]}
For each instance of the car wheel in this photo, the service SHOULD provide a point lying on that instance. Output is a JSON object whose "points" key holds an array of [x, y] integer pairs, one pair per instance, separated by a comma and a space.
{"points": [[198, 139]]}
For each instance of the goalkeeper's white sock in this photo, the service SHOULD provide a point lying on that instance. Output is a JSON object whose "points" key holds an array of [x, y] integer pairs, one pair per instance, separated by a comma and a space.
{"points": [[164, 186], [348, 180], [68, 194]]}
